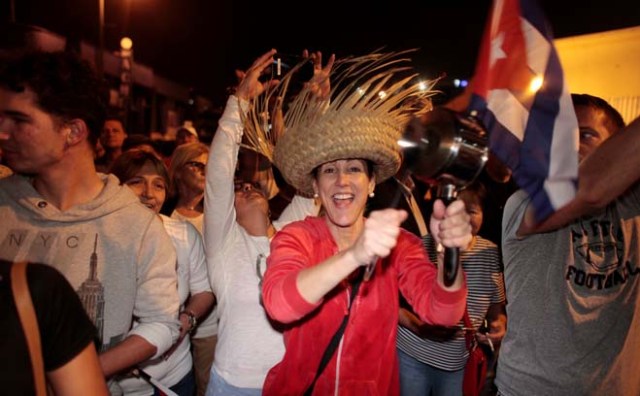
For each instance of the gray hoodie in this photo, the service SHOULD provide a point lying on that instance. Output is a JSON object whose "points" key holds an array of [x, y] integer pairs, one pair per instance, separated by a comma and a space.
{"points": [[113, 250]]}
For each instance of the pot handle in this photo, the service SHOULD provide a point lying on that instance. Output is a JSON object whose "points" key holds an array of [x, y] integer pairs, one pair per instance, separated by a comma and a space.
{"points": [[447, 192]]}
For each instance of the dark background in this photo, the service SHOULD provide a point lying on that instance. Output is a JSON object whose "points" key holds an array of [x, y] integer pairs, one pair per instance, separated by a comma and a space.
{"points": [[199, 43]]}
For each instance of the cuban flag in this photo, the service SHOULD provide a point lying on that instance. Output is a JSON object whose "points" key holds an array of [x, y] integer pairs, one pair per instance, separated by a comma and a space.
{"points": [[520, 95]]}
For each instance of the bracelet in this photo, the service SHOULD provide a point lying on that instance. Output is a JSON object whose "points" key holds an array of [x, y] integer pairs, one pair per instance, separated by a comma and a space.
{"points": [[193, 320]]}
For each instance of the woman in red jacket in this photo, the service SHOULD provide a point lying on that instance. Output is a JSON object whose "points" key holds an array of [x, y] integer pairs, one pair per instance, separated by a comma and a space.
{"points": [[337, 152]]}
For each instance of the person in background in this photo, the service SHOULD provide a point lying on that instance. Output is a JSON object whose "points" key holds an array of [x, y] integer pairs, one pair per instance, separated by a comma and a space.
{"points": [[111, 139], [238, 230], [499, 183], [57, 210], [573, 280], [147, 176], [140, 142], [66, 334], [186, 134], [432, 358], [187, 172], [337, 152]]}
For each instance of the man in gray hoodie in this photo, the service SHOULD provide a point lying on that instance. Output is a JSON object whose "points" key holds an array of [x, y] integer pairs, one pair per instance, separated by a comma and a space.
{"points": [[56, 209]]}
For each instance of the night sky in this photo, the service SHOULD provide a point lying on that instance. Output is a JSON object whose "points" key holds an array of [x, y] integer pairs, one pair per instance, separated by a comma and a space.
{"points": [[198, 43]]}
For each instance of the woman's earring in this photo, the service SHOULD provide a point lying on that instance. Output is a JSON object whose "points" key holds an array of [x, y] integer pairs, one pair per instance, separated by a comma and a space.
{"points": [[372, 194], [315, 195]]}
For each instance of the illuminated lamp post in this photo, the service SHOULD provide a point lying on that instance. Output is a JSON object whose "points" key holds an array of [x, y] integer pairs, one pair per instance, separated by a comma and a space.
{"points": [[126, 80]]}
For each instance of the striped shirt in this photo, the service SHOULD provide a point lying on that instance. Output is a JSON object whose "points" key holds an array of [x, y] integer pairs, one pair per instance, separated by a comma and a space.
{"points": [[485, 283]]}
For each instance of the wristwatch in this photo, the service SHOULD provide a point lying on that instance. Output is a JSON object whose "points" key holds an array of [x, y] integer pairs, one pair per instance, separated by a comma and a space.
{"points": [[193, 320]]}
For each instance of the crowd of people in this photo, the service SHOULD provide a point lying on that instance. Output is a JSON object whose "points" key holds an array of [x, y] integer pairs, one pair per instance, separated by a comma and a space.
{"points": [[201, 273]]}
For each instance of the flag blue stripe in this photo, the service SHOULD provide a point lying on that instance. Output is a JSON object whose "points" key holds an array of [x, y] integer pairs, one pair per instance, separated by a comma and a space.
{"points": [[531, 11], [540, 161], [502, 142]]}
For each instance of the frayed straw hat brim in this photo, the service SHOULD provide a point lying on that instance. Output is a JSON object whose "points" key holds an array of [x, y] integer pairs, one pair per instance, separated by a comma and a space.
{"points": [[372, 99], [353, 136]]}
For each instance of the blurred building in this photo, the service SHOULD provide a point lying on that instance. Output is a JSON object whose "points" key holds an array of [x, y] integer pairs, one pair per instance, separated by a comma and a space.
{"points": [[605, 64], [152, 103]]}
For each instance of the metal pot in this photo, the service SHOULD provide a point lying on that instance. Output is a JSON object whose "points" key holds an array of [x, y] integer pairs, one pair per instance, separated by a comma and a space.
{"points": [[445, 147], [450, 150]]}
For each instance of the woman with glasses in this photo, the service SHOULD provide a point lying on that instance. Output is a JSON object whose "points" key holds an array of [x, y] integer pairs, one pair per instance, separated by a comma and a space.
{"points": [[187, 172], [238, 231]]}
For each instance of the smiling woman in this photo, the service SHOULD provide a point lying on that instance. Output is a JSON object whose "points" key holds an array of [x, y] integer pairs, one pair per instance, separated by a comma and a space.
{"points": [[146, 175], [148, 178], [337, 151]]}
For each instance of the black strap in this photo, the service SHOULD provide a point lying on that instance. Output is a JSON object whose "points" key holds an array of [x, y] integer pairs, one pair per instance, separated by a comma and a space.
{"points": [[335, 340], [469, 334]]}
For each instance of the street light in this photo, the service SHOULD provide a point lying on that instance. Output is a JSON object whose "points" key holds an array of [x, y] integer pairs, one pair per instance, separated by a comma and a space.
{"points": [[100, 52], [126, 80], [126, 44]]}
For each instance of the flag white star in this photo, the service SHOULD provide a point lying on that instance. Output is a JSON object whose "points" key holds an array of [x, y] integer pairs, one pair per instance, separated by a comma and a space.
{"points": [[496, 49]]}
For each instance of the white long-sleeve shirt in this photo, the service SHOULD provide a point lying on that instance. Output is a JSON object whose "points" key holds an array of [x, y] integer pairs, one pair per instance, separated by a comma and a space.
{"points": [[248, 346]]}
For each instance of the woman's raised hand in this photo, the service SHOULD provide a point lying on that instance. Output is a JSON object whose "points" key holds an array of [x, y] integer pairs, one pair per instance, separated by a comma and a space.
{"points": [[320, 84], [249, 85]]}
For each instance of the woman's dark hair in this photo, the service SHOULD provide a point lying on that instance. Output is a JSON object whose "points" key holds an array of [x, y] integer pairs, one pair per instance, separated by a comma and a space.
{"points": [[129, 163], [476, 192], [136, 140], [367, 162]]}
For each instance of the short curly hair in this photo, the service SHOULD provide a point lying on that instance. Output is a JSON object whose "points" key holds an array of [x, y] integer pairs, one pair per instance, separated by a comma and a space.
{"points": [[66, 86]]}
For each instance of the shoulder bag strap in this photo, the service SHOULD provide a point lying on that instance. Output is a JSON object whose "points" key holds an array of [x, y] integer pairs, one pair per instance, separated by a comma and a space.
{"points": [[27, 314], [335, 340], [469, 334]]}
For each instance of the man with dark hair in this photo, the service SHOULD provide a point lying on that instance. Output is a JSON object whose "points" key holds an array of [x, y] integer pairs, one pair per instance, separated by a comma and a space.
{"points": [[112, 139], [599, 120], [59, 211], [573, 281]]}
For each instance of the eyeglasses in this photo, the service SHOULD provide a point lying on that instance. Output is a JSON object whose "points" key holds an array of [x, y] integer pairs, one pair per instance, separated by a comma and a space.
{"points": [[196, 165]]}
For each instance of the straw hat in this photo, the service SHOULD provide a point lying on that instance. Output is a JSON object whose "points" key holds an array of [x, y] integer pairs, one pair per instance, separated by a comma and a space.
{"points": [[367, 114]]}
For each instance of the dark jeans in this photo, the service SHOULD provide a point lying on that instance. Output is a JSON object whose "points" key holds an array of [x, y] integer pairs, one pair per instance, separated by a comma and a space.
{"points": [[185, 387], [417, 378]]}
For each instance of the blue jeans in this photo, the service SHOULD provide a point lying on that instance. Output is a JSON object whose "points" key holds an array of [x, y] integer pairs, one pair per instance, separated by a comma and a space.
{"points": [[420, 379], [185, 387], [219, 387]]}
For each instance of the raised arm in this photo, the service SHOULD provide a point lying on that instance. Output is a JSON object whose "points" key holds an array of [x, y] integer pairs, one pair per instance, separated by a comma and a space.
{"points": [[603, 176], [220, 216]]}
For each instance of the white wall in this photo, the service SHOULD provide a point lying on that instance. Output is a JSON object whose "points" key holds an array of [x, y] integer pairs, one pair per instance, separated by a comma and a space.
{"points": [[605, 64]]}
